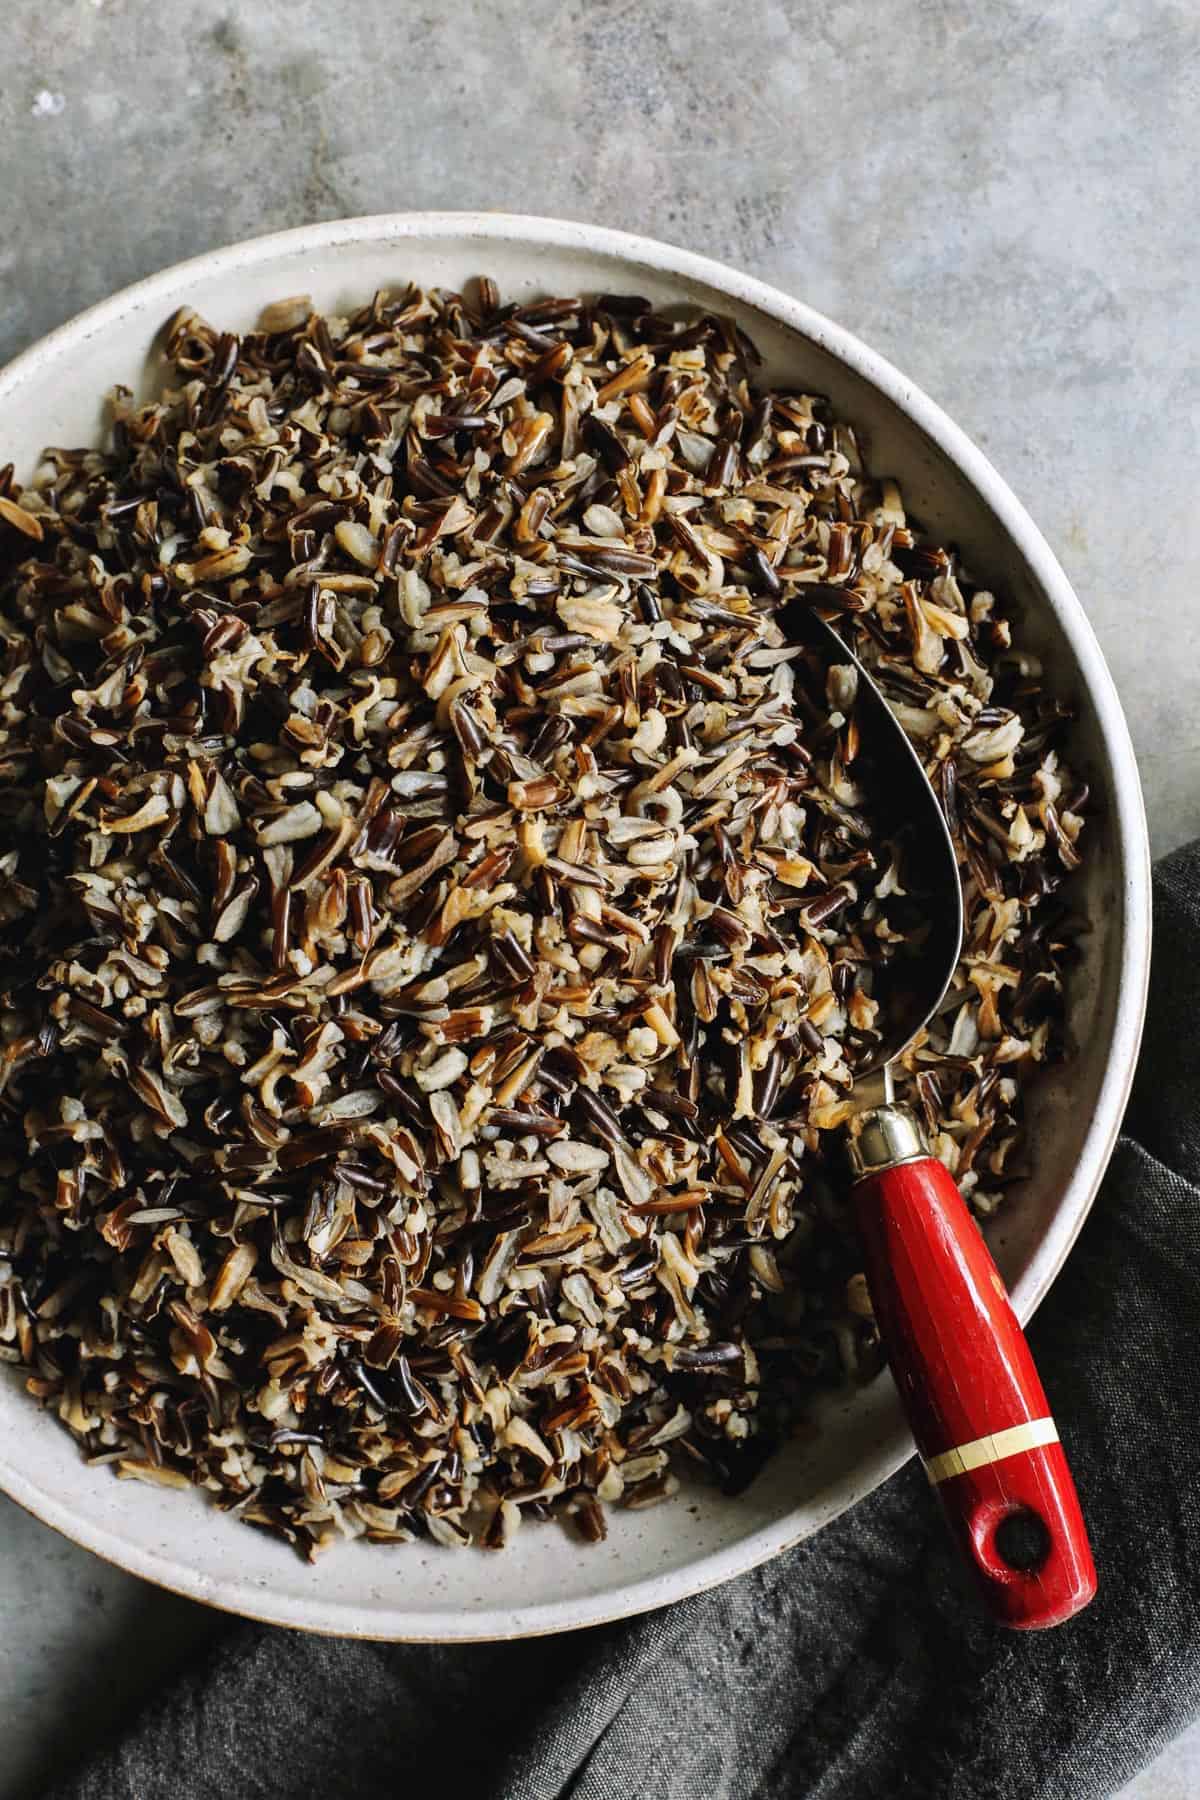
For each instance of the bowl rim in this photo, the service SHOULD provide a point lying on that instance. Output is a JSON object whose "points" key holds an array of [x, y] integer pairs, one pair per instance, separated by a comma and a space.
{"points": [[1129, 840]]}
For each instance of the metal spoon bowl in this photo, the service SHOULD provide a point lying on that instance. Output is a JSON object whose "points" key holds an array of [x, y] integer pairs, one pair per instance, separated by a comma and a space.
{"points": [[912, 986]]}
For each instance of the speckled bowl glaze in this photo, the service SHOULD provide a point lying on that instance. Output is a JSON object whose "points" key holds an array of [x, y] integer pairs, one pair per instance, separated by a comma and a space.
{"points": [[546, 1582]]}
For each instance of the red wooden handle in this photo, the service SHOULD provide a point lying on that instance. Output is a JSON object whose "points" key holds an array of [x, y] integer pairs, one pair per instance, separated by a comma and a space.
{"points": [[972, 1394]]}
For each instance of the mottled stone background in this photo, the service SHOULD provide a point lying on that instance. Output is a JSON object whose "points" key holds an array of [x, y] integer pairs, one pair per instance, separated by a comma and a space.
{"points": [[1001, 197]]}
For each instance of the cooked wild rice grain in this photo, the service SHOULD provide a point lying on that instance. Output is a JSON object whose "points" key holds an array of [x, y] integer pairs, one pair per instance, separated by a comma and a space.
{"points": [[439, 911]]}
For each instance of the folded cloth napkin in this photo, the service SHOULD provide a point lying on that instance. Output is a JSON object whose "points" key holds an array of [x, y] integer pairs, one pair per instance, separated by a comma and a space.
{"points": [[857, 1665]]}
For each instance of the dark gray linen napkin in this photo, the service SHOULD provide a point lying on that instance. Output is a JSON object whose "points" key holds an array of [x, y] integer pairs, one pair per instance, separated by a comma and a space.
{"points": [[856, 1666]]}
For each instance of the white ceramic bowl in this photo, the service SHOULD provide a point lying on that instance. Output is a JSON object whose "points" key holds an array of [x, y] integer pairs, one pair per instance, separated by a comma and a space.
{"points": [[545, 1582]]}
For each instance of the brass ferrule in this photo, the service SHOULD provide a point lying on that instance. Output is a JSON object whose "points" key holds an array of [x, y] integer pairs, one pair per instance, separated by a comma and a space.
{"points": [[882, 1138]]}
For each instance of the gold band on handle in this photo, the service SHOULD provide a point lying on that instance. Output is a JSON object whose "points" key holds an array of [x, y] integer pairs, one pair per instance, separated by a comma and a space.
{"points": [[883, 1138], [991, 1449]]}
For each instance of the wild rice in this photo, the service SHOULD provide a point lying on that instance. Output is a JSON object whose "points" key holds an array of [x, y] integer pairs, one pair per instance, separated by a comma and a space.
{"points": [[441, 911]]}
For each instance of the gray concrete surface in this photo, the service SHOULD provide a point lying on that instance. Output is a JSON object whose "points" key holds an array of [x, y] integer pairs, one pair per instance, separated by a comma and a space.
{"points": [[999, 196]]}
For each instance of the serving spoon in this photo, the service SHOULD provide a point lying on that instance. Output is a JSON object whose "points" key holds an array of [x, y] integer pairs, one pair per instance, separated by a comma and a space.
{"points": [[960, 1360]]}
